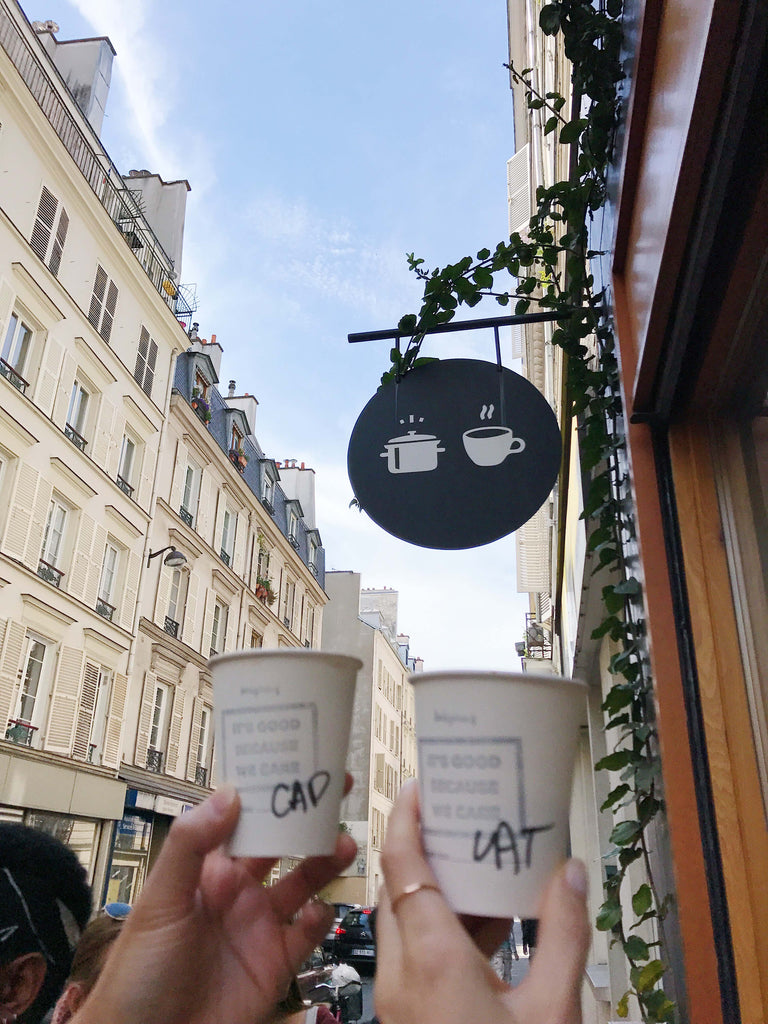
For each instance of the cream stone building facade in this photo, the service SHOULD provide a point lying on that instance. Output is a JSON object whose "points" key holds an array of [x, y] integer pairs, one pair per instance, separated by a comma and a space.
{"points": [[105, 702], [382, 749]]}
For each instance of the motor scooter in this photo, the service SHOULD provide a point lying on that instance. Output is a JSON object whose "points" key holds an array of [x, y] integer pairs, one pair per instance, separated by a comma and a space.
{"points": [[343, 992]]}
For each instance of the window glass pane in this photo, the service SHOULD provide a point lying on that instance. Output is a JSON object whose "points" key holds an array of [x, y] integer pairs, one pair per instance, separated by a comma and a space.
{"points": [[79, 834], [126, 459], [33, 670], [108, 572], [10, 335]]}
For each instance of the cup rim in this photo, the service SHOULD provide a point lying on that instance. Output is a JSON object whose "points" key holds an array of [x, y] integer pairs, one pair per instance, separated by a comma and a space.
{"points": [[293, 654], [492, 676]]}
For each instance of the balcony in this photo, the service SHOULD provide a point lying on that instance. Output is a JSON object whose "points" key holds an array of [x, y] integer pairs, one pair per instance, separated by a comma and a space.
{"points": [[77, 439], [171, 627], [225, 557], [201, 775], [238, 459], [15, 378], [87, 153], [49, 573], [105, 609], [155, 760], [21, 732], [124, 486], [187, 517], [313, 568], [268, 506], [294, 540]]}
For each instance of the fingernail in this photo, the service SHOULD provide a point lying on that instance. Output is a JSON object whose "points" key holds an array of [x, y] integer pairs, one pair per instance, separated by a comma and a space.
{"points": [[576, 877], [222, 799]]}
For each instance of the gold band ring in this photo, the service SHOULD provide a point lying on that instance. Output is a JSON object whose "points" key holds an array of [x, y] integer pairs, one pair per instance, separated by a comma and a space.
{"points": [[409, 890]]}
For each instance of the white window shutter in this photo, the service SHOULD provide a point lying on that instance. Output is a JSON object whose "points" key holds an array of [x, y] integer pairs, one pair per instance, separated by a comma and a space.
{"points": [[49, 375], [104, 431], [64, 391], [20, 514], [219, 528], [131, 592], [43, 228], [57, 249], [145, 719], [519, 191], [77, 578], [534, 557], [241, 537], [231, 640], [163, 592], [147, 477], [64, 701], [95, 563], [7, 295], [194, 739], [189, 630], [13, 636], [179, 473], [214, 769], [108, 316], [174, 735], [204, 508], [115, 445], [205, 643], [97, 298], [110, 757], [85, 711], [37, 523]]}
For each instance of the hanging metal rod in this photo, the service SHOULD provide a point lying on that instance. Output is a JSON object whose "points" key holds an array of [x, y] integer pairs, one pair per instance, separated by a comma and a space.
{"points": [[463, 325]]}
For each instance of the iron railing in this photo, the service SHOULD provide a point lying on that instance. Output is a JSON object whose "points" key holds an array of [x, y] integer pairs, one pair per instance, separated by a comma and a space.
{"points": [[49, 573], [103, 177], [171, 627], [201, 775], [124, 486], [225, 557], [19, 731], [155, 760], [77, 439], [105, 609], [186, 515], [13, 376]]}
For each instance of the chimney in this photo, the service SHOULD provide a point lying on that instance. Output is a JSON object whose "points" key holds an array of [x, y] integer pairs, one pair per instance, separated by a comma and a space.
{"points": [[231, 389]]}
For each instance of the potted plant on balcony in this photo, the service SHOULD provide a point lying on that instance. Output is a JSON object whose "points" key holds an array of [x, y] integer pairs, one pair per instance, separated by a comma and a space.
{"points": [[201, 407], [264, 590], [238, 457]]}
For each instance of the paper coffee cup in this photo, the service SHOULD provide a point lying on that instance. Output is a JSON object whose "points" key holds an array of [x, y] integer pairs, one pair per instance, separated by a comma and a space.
{"points": [[496, 753], [282, 731]]}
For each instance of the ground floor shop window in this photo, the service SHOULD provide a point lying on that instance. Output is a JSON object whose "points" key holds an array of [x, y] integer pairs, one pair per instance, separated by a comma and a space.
{"points": [[79, 834]]}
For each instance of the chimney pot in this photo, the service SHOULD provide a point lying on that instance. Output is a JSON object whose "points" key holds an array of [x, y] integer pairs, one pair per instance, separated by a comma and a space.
{"points": [[213, 339], [231, 389]]}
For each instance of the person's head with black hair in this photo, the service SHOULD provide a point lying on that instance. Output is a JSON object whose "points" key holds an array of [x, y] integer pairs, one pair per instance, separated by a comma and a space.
{"points": [[45, 902]]}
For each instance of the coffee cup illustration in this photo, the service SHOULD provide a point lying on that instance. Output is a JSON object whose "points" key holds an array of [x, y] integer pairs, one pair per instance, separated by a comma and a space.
{"points": [[489, 446]]}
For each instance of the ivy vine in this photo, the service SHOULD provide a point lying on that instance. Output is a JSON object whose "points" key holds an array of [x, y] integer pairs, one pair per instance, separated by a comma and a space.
{"points": [[550, 266]]}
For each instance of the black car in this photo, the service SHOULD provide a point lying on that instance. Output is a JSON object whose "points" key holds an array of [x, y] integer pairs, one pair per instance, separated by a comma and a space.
{"points": [[340, 910], [354, 938]]}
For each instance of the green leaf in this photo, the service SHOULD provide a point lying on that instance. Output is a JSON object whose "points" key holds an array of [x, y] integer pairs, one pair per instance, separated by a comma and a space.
{"points": [[614, 796], [649, 975], [549, 19], [613, 762], [571, 131], [622, 1007], [636, 948], [625, 832], [551, 124], [483, 278], [484, 254], [618, 697], [535, 104], [628, 586], [521, 306], [407, 324], [642, 900], [608, 916]]}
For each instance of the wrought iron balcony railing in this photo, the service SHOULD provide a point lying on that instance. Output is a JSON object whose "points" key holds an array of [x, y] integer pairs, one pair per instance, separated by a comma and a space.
{"points": [[124, 486], [171, 627], [13, 376], [77, 439], [201, 775], [19, 731], [155, 760], [187, 516], [49, 573], [268, 506], [105, 609], [225, 557]]}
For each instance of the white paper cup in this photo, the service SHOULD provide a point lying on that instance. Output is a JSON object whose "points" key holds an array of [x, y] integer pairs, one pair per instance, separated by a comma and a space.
{"points": [[496, 753], [282, 731]]}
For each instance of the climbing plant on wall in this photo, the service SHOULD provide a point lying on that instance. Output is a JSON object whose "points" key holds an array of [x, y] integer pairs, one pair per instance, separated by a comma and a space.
{"points": [[550, 267]]}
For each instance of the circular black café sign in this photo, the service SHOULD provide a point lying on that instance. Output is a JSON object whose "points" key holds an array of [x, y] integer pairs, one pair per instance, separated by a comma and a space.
{"points": [[458, 454]]}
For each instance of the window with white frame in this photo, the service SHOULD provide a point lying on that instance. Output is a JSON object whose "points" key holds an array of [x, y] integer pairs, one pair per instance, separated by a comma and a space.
{"points": [[77, 414], [313, 548], [289, 596], [127, 465], [99, 724], [219, 627], [191, 496], [48, 234], [30, 709], [262, 563], [257, 639], [158, 727], [177, 598], [203, 747], [107, 581], [15, 352], [293, 528], [268, 490], [53, 538], [228, 530]]}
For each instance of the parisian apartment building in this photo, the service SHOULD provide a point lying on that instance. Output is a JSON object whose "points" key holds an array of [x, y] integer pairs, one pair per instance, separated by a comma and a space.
{"points": [[142, 527], [382, 749]]}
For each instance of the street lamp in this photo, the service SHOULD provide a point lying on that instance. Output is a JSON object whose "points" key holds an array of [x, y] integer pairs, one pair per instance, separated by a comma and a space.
{"points": [[174, 559]]}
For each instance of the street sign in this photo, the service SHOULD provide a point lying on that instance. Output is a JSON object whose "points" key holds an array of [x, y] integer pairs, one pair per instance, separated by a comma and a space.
{"points": [[457, 454]]}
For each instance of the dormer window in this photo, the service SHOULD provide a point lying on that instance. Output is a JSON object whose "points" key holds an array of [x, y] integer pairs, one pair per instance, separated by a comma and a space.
{"points": [[201, 388]]}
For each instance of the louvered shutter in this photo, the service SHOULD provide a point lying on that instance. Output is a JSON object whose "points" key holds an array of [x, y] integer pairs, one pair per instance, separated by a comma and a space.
{"points": [[241, 538], [203, 520], [141, 357], [20, 515], [114, 444], [64, 390], [189, 631], [77, 579], [174, 735], [179, 474], [205, 643], [37, 524], [230, 642], [85, 711], [43, 229], [145, 719], [130, 594], [149, 373], [54, 264], [110, 757], [97, 299], [14, 635], [163, 591], [108, 316], [64, 701], [49, 375], [147, 477], [194, 739], [519, 191], [218, 531], [7, 295]]}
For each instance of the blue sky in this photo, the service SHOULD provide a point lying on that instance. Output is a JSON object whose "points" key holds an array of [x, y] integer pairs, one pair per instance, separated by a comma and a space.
{"points": [[324, 141]]}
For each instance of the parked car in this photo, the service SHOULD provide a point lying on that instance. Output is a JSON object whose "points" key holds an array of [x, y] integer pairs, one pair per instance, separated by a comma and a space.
{"points": [[339, 911], [354, 937]]}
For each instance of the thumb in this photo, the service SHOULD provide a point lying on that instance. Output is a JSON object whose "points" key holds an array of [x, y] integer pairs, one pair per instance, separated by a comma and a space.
{"points": [[193, 835], [553, 984]]}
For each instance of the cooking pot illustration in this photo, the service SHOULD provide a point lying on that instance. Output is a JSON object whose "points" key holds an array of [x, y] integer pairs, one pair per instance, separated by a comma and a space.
{"points": [[412, 453]]}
